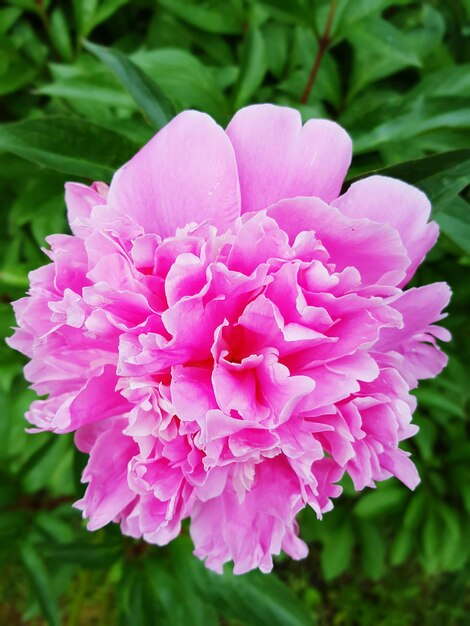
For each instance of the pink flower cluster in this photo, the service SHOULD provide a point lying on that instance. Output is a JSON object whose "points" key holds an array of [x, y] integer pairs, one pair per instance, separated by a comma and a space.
{"points": [[227, 336]]}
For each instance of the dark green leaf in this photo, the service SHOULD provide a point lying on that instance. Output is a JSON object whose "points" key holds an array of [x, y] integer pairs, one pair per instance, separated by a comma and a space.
{"points": [[432, 543], [373, 550], [442, 177], [185, 79], [67, 144], [253, 67], [225, 18], [402, 545], [85, 554], [380, 50], [91, 13], [380, 501], [148, 95], [254, 599], [40, 582], [337, 550]]}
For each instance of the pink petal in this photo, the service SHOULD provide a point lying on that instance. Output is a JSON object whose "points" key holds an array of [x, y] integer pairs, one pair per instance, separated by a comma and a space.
{"points": [[186, 173], [374, 249], [80, 200], [279, 158], [420, 307], [393, 202], [108, 492]]}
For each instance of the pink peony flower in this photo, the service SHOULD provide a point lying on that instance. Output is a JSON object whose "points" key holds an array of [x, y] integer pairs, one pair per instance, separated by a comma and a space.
{"points": [[227, 336]]}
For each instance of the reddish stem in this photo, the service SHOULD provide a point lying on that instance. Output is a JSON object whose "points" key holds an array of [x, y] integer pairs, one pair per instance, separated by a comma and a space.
{"points": [[322, 47]]}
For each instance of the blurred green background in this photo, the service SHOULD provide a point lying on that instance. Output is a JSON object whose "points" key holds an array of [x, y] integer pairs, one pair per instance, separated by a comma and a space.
{"points": [[396, 75]]}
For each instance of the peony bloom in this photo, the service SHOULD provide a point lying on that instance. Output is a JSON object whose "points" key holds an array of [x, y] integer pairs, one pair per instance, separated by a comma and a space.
{"points": [[228, 336]]}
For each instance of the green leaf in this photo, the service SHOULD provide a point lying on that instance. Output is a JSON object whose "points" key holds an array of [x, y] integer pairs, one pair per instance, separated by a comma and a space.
{"points": [[348, 14], [380, 501], [178, 609], [185, 79], [66, 144], [8, 17], [254, 599], [99, 88], [32, 461], [91, 13], [86, 554], [373, 550], [12, 528], [380, 50], [450, 81], [420, 169], [444, 187], [253, 68], [277, 39], [402, 545], [136, 606], [16, 71], [148, 95], [60, 34], [53, 470], [226, 17], [40, 582], [105, 9], [434, 398], [432, 543], [451, 548], [15, 276], [337, 550], [416, 117]]}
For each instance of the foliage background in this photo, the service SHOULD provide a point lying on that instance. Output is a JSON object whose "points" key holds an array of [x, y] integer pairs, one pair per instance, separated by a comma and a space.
{"points": [[396, 75]]}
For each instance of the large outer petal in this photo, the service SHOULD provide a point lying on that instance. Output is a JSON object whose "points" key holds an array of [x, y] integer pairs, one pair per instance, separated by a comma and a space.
{"points": [[279, 158], [390, 201], [186, 173]]}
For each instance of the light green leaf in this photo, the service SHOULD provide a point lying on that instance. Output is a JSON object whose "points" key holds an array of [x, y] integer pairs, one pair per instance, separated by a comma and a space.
{"points": [[60, 34], [97, 87], [8, 17]]}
